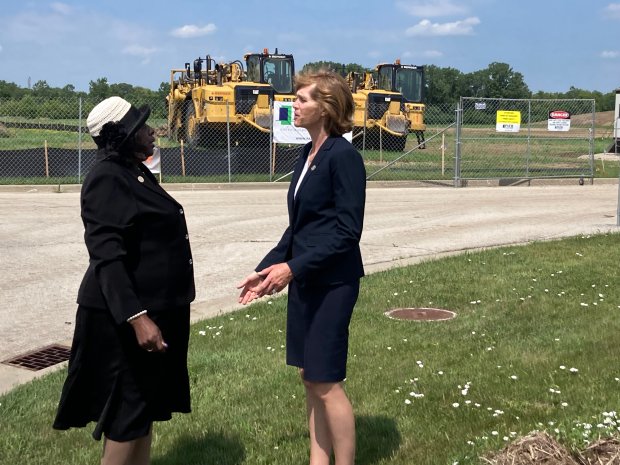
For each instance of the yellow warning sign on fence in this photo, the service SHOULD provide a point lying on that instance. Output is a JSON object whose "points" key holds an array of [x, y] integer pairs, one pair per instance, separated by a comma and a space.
{"points": [[508, 121]]}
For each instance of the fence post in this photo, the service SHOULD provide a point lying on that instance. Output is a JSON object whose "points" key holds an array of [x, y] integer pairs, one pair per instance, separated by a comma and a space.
{"points": [[79, 140], [228, 139], [182, 160], [457, 145], [47, 165], [529, 138], [272, 145]]}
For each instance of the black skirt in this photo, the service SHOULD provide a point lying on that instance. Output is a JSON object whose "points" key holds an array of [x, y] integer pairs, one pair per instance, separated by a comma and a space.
{"points": [[122, 387], [317, 329]]}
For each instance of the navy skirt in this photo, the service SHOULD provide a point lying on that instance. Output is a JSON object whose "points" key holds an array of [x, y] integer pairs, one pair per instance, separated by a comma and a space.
{"points": [[317, 329], [117, 384]]}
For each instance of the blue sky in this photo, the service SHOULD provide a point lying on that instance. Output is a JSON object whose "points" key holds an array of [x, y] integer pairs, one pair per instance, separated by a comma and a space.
{"points": [[555, 44]]}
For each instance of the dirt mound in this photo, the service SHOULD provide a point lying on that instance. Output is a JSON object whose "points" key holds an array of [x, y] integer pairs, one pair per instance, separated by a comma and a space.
{"points": [[602, 452], [535, 448], [539, 448]]}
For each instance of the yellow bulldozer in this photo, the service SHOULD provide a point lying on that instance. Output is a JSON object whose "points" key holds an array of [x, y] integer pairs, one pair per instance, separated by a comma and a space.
{"points": [[206, 101], [408, 80], [380, 112]]}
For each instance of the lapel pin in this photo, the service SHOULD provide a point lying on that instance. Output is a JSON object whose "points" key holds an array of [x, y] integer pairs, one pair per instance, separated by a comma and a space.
{"points": [[313, 167], [140, 178]]}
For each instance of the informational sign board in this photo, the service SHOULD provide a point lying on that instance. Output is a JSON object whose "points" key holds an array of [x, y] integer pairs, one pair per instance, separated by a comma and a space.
{"points": [[508, 121], [284, 129], [559, 120], [153, 162]]}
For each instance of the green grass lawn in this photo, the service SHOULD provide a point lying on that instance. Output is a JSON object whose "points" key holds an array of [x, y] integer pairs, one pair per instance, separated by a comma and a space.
{"points": [[534, 346]]}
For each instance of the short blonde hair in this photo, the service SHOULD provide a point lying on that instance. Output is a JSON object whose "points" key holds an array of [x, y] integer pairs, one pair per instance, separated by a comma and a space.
{"points": [[334, 96]]}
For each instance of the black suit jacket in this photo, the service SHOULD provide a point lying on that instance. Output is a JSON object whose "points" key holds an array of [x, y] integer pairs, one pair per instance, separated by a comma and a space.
{"points": [[321, 243], [137, 241]]}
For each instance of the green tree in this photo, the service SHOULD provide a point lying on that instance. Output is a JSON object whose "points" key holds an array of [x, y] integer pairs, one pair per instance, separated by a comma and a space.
{"points": [[443, 85], [339, 68], [99, 89]]}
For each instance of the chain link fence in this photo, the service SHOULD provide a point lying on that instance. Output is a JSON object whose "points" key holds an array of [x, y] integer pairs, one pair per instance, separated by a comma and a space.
{"points": [[46, 141], [524, 139]]}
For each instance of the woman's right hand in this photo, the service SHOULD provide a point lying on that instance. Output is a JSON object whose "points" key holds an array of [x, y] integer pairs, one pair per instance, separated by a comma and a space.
{"points": [[251, 281], [148, 334]]}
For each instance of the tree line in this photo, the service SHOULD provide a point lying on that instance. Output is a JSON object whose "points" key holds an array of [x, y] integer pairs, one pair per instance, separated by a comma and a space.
{"points": [[497, 80], [443, 86]]}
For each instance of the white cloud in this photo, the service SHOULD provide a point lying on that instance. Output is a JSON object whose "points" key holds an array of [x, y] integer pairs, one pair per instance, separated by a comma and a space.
{"points": [[456, 28], [191, 30], [423, 54], [431, 8], [61, 8], [613, 10], [140, 51], [610, 54]]}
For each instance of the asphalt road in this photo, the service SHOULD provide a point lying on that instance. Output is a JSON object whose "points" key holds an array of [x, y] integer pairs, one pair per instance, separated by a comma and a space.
{"points": [[232, 226]]}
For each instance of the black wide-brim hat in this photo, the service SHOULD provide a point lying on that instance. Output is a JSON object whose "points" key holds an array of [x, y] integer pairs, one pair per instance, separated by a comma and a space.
{"points": [[126, 118]]}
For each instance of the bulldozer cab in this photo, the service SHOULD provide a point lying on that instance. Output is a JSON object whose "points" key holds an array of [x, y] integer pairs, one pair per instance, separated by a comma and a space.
{"points": [[408, 80], [275, 69]]}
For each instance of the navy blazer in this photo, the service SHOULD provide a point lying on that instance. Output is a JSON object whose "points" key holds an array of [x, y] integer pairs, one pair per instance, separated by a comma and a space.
{"points": [[321, 243], [137, 241]]}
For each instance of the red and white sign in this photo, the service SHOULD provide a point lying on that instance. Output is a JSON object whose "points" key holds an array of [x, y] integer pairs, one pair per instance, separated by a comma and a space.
{"points": [[559, 120]]}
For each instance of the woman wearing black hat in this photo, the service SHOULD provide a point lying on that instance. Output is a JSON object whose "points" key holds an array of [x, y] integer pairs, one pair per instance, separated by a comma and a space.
{"points": [[128, 364]]}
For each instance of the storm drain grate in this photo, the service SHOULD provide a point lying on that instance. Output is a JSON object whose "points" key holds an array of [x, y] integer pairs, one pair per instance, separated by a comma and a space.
{"points": [[41, 358], [420, 314]]}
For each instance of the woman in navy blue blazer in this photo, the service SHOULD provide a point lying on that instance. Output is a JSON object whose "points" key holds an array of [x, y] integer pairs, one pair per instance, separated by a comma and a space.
{"points": [[319, 258]]}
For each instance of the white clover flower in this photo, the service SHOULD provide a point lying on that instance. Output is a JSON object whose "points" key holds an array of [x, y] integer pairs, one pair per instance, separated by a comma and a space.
{"points": [[440, 372], [513, 377], [389, 348], [470, 443], [396, 293], [564, 404], [494, 433], [407, 401], [505, 438], [573, 370], [562, 367], [583, 304], [202, 333], [455, 404]]}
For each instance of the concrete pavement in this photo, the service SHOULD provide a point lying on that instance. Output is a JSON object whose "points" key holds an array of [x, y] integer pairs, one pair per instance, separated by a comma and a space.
{"points": [[232, 226]]}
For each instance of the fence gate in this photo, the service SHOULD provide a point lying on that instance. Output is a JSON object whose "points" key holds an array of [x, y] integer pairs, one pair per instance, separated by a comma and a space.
{"points": [[524, 139]]}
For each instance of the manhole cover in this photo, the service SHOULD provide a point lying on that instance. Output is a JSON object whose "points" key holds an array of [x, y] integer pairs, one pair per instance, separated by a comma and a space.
{"points": [[420, 314], [41, 358]]}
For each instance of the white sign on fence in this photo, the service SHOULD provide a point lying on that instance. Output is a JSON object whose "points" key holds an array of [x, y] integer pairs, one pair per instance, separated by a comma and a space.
{"points": [[284, 130], [559, 120]]}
